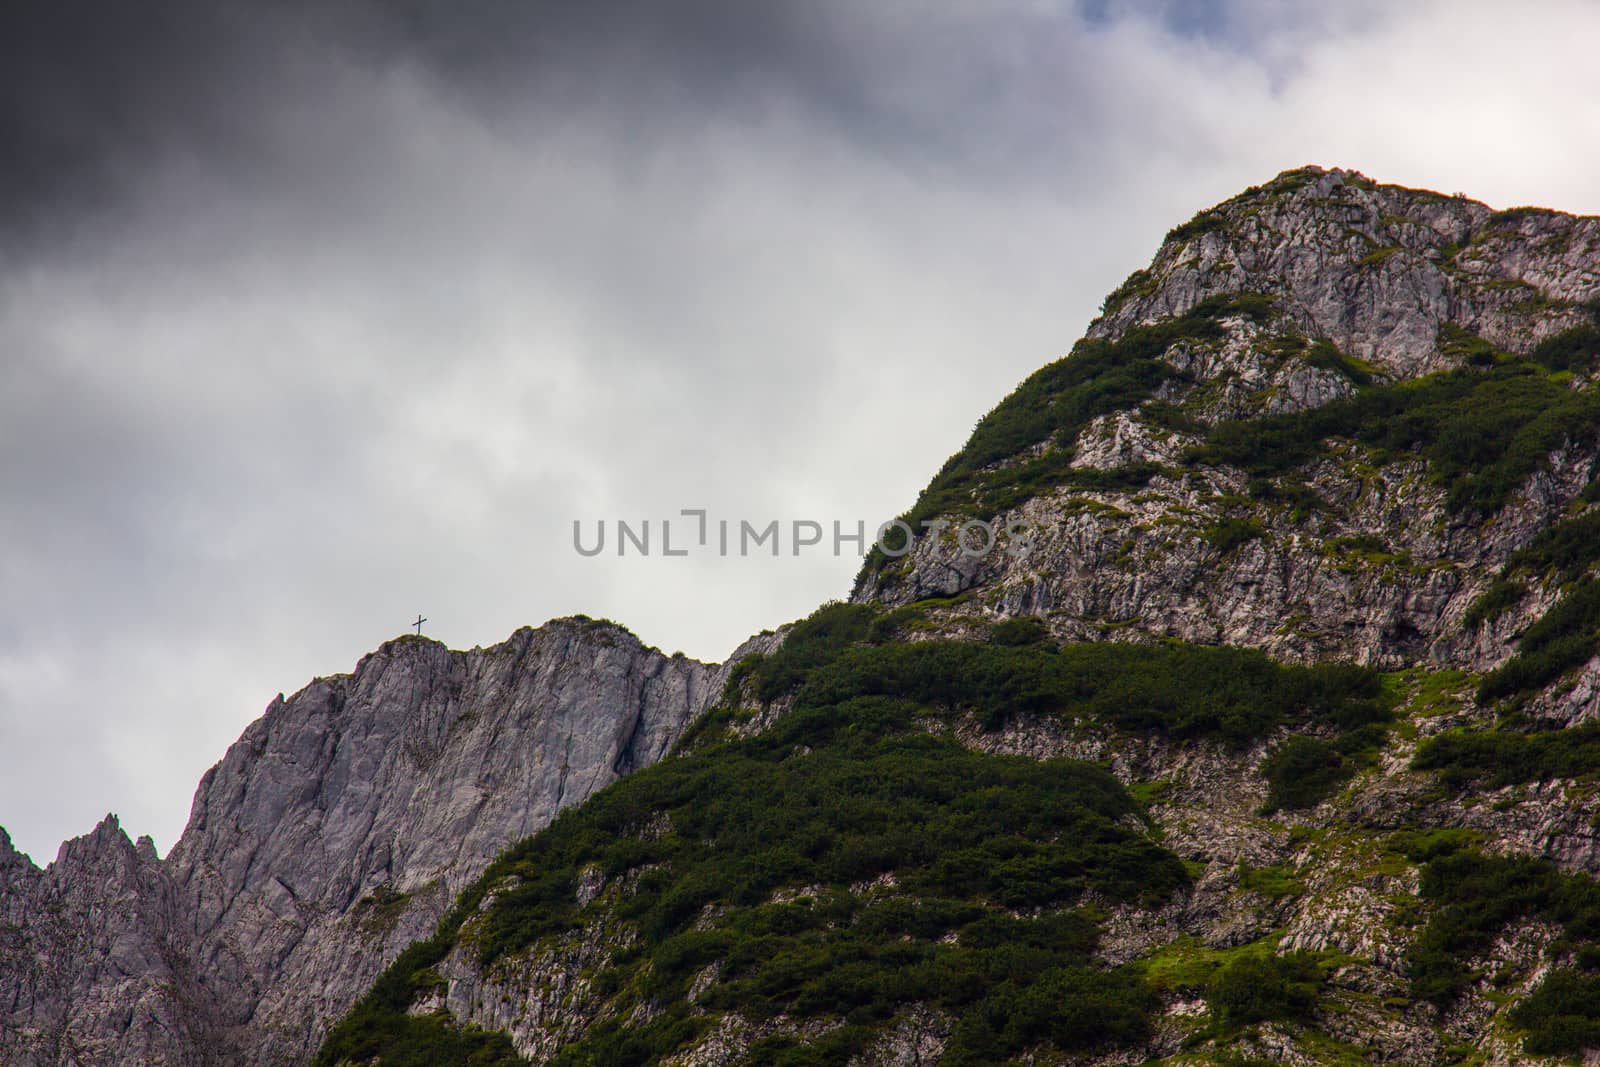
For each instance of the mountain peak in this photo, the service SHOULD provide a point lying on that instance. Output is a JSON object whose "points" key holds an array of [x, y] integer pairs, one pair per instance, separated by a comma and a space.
{"points": [[1233, 442], [1378, 270]]}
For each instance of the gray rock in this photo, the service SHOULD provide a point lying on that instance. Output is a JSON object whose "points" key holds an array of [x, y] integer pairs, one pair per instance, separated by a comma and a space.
{"points": [[1386, 573], [335, 831]]}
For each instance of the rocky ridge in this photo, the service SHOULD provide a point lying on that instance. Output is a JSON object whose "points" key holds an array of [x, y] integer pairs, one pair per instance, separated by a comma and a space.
{"points": [[335, 831], [1365, 282]]}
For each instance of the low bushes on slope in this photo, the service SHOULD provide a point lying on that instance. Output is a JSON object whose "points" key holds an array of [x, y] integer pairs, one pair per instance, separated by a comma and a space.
{"points": [[831, 798], [1238, 695], [1482, 432], [844, 864], [1475, 897], [1057, 401], [1483, 429], [1256, 988], [1565, 637], [1495, 758], [1562, 1016], [1563, 552], [1184, 691]]}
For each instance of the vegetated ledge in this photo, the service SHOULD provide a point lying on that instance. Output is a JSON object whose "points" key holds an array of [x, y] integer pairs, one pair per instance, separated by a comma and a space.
{"points": [[1482, 429], [844, 864]]}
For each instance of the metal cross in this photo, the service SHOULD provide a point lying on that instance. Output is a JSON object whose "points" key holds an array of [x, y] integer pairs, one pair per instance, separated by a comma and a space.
{"points": [[418, 623]]}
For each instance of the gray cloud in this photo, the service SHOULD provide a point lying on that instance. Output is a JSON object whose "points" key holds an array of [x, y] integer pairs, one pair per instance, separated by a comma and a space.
{"points": [[313, 320]]}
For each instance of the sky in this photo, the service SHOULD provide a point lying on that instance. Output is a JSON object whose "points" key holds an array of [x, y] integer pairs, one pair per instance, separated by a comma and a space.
{"points": [[315, 317]]}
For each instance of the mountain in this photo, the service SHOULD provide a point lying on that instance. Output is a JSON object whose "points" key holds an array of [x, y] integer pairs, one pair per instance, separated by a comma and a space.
{"points": [[1266, 732], [1273, 744], [335, 831], [1296, 468]]}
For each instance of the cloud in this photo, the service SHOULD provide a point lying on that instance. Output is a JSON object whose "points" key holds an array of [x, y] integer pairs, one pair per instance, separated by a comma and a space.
{"points": [[312, 321]]}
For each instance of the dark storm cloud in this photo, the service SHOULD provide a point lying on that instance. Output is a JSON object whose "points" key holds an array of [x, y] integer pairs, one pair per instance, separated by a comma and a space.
{"points": [[93, 93]]}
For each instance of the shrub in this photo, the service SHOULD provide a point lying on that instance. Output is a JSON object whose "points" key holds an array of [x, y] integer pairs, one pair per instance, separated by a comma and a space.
{"points": [[1022, 630], [1565, 637], [1459, 344], [1482, 432], [1564, 551], [1208, 221], [1326, 355], [1562, 1016], [1261, 988], [1499, 758], [1569, 350], [830, 796], [1054, 405], [1231, 532], [1476, 896], [1501, 596], [1238, 695], [813, 641], [1302, 772]]}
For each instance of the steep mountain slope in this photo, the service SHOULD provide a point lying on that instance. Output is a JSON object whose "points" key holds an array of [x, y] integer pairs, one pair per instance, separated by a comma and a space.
{"points": [[335, 831], [1234, 453], [1275, 745]]}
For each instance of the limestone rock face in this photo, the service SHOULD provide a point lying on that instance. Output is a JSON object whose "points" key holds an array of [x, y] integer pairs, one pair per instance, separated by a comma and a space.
{"points": [[1381, 570], [87, 961], [1376, 268], [334, 832]]}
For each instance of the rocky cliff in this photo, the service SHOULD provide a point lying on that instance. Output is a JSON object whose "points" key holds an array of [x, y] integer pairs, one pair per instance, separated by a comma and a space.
{"points": [[334, 832], [1285, 299], [1273, 743]]}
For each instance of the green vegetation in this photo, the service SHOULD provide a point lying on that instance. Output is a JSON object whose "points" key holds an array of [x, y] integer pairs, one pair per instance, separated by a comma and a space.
{"points": [[379, 911], [832, 797], [419, 1041], [1304, 771], [1231, 532], [1496, 758], [1244, 985], [1022, 630], [1565, 550], [1562, 1016], [1378, 255], [379, 1025], [1422, 846], [1276, 881], [844, 864], [1054, 405], [815, 640], [1259, 988], [1428, 693], [1466, 347], [1565, 637], [1512, 217], [1569, 633], [1501, 596], [1573, 349], [1300, 499], [1326, 355], [1204, 222], [1482, 432], [1238, 695], [1139, 283], [1475, 896]]}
